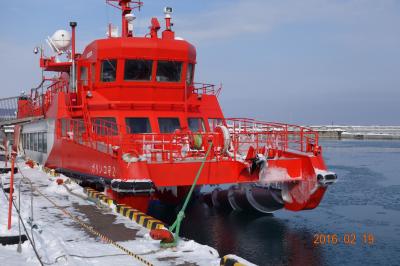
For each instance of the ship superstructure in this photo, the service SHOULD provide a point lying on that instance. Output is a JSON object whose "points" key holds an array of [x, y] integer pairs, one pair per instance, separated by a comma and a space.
{"points": [[125, 115]]}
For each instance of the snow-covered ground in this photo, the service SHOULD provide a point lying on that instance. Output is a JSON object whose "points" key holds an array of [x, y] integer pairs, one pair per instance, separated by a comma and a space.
{"points": [[61, 241]]}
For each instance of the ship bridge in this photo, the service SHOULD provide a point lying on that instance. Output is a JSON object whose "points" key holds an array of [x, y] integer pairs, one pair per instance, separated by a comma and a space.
{"points": [[137, 69]]}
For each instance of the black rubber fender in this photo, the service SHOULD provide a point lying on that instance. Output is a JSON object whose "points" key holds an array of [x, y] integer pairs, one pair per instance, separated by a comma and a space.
{"points": [[12, 240]]}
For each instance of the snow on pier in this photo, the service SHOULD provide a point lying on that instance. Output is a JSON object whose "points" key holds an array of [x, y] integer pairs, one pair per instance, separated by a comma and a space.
{"points": [[358, 132], [59, 240]]}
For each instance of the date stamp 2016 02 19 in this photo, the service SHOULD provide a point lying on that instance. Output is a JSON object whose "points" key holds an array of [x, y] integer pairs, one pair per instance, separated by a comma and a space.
{"points": [[350, 239]]}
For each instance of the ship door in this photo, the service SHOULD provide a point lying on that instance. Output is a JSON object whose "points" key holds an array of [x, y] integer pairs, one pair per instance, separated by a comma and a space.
{"points": [[84, 82], [83, 75]]}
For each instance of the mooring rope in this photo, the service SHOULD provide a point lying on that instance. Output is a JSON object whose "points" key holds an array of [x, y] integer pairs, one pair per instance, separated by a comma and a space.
{"points": [[88, 227], [181, 215]]}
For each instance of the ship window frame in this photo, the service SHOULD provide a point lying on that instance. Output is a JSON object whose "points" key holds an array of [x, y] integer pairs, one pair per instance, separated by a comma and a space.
{"points": [[44, 148], [31, 141], [190, 73], [101, 128], [23, 141], [213, 125], [132, 130], [201, 128], [169, 80], [170, 130], [64, 127], [28, 147], [35, 141], [40, 142], [93, 72], [84, 75], [150, 77], [115, 69]]}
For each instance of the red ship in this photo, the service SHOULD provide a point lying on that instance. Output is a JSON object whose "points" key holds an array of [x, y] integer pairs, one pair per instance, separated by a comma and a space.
{"points": [[126, 116]]}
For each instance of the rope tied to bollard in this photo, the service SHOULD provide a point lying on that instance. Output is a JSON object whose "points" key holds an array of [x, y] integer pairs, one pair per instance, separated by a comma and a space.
{"points": [[170, 238]]}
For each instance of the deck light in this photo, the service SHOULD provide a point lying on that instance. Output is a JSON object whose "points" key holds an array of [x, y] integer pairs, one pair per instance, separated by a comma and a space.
{"points": [[168, 24], [167, 10]]}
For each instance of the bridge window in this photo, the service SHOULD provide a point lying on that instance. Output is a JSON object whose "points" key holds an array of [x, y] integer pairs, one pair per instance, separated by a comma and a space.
{"points": [[168, 125], [105, 126], [189, 74], [196, 124], [138, 70], [137, 125], [169, 71], [108, 70]]}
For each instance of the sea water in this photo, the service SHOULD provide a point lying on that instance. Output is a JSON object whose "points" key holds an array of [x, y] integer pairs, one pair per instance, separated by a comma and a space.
{"points": [[361, 211]]}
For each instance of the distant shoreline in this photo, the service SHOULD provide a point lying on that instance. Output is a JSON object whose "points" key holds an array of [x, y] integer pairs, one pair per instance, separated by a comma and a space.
{"points": [[358, 132]]}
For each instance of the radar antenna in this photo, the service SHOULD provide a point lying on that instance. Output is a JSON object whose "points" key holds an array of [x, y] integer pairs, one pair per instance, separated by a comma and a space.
{"points": [[127, 17]]}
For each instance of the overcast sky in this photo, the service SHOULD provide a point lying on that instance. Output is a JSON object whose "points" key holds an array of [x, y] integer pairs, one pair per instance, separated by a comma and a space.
{"points": [[298, 61]]}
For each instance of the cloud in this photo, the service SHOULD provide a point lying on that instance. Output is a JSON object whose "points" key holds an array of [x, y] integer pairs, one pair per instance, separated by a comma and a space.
{"points": [[244, 18]]}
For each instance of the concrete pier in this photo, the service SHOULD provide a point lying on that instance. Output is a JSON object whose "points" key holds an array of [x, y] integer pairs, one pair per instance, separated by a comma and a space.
{"points": [[358, 132]]}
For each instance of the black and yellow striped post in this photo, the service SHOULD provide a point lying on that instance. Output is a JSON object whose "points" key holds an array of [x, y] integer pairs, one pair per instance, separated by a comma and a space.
{"points": [[131, 213], [99, 196], [140, 217], [229, 261]]}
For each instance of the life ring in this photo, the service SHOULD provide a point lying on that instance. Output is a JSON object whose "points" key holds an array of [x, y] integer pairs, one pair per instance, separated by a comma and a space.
{"points": [[131, 157], [226, 137]]}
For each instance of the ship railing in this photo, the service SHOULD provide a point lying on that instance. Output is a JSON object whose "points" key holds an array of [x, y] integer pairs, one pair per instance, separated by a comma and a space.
{"points": [[8, 108], [276, 135], [56, 87], [17, 108], [190, 146], [34, 104], [111, 138], [101, 135], [172, 147], [206, 89]]}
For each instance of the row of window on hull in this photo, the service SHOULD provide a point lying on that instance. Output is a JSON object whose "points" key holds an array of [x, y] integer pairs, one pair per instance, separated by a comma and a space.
{"points": [[140, 125], [36, 141], [142, 70]]}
